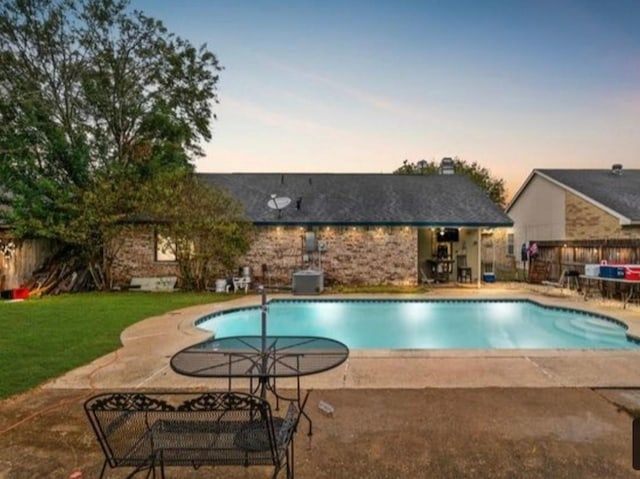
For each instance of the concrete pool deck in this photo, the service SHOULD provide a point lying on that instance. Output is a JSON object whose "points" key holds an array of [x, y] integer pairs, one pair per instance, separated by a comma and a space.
{"points": [[143, 361], [397, 415]]}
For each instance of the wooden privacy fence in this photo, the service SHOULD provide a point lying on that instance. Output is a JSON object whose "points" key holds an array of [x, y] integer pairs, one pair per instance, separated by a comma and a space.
{"points": [[17, 268], [557, 256]]}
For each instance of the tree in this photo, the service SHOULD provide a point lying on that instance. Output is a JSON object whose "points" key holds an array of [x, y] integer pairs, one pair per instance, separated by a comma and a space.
{"points": [[478, 174], [101, 220], [89, 90], [205, 245], [96, 99]]}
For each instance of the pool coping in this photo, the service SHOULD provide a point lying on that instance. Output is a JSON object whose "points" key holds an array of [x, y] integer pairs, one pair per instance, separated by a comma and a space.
{"points": [[143, 360]]}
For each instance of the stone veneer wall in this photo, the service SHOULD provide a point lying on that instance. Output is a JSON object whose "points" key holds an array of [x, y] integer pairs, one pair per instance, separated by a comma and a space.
{"points": [[136, 258], [586, 221], [354, 256]]}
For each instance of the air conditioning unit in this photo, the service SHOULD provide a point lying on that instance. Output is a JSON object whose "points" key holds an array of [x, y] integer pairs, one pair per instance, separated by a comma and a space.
{"points": [[307, 282]]}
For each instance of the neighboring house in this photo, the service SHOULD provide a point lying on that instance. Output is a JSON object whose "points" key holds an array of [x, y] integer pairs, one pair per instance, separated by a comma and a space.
{"points": [[578, 217], [359, 228]]}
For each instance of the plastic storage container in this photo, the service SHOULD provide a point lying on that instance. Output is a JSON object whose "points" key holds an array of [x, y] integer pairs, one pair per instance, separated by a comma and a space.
{"points": [[611, 271], [632, 273], [592, 269], [20, 293], [489, 277]]}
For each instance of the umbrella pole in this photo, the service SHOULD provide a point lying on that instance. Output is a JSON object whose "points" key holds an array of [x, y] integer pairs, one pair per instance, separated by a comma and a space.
{"points": [[263, 334]]}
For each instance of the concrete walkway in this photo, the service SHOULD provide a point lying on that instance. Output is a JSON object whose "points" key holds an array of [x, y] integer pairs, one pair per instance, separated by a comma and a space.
{"points": [[143, 361]]}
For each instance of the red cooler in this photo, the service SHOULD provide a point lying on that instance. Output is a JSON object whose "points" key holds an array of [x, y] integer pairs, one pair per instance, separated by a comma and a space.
{"points": [[20, 293], [632, 273]]}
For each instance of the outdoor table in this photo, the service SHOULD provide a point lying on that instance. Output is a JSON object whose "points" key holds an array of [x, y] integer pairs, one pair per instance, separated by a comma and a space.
{"points": [[626, 298], [261, 358], [244, 357]]}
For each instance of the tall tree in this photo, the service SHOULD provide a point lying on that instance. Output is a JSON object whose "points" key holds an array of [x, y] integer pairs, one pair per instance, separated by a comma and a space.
{"points": [[91, 90], [205, 246], [480, 175]]}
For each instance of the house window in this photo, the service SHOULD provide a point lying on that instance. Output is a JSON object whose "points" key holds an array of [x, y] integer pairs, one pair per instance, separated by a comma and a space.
{"points": [[510, 245], [165, 248]]}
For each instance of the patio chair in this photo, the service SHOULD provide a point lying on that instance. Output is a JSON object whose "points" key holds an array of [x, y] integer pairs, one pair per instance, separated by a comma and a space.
{"points": [[566, 279], [424, 279], [243, 282], [558, 284], [149, 431]]}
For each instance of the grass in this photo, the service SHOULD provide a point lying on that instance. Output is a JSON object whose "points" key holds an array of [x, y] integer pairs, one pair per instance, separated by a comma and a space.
{"points": [[43, 338], [382, 289]]}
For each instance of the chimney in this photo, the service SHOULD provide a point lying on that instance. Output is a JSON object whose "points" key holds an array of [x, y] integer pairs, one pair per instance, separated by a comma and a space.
{"points": [[447, 166], [616, 169]]}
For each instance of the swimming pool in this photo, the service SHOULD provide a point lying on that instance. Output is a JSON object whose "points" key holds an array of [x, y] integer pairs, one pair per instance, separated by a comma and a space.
{"points": [[432, 324]]}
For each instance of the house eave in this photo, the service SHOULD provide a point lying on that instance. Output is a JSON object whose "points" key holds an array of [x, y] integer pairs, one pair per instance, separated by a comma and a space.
{"points": [[417, 224]]}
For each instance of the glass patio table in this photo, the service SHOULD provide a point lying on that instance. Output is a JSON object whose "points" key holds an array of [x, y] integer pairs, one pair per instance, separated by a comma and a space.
{"points": [[261, 359]]}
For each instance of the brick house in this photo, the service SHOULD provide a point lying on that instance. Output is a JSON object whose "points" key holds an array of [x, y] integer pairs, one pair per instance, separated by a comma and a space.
{"points": [[579, 216], [362, 228]]}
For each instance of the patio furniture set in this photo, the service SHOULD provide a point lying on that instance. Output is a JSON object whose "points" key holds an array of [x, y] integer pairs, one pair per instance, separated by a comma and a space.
{"points": [[150, 431]]}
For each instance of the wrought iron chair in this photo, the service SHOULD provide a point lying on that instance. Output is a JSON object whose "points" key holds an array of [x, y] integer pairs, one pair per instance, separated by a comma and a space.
{"points": [[150, 430]]}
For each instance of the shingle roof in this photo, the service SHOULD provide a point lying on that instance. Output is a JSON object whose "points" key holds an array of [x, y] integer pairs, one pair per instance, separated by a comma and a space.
{"points": [[619, 193], [364, 199]]}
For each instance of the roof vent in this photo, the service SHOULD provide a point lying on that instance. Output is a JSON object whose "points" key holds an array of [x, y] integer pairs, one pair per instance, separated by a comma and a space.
{"points": [[447, 166], [616, 169]]}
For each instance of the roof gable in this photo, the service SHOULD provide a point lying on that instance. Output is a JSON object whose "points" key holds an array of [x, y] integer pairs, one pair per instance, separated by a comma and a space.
{"points": [[362, 199], [618, 194]]}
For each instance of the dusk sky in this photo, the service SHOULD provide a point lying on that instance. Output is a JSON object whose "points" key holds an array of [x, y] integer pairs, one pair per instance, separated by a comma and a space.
{"points": [[360, 86]]}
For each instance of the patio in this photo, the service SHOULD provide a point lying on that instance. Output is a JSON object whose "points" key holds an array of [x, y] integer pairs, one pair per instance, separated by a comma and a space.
{"points": [[143, 361], [450, 414]]}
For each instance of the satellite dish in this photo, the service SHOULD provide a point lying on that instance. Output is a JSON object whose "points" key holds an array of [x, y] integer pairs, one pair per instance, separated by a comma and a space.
{"points": [[277, 203]]}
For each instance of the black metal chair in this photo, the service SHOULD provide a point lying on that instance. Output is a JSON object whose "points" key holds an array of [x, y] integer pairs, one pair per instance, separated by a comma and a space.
{"points": [[150, 430]]}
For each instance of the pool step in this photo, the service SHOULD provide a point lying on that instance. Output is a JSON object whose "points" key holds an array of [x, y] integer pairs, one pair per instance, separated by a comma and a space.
{"points": [[590, 327]]}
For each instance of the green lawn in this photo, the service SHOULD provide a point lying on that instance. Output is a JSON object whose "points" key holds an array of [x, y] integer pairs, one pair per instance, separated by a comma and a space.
{"points": [[42, 338]]}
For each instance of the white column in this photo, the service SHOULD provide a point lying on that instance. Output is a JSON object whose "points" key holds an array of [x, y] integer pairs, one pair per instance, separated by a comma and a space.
{"points": [[479, 258]]}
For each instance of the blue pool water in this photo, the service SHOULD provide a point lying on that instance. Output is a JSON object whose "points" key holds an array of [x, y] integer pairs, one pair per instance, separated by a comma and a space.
{"points": [[439, 324]]}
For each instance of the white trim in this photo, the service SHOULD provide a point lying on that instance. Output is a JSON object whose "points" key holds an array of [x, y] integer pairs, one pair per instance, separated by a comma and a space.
{"points": [[479, 258]]}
